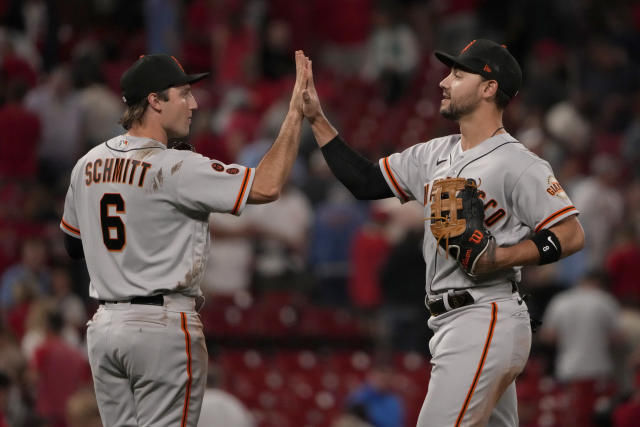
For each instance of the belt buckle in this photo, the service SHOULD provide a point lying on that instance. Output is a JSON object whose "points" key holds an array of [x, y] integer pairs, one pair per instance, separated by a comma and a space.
{"points": [[453, 300], [456, 301]]}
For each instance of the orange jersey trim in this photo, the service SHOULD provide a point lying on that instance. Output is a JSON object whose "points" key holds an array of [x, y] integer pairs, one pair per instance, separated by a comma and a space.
{"points": [[187, 396], [387, 168], [69, 227], [485, 350], [554, 216], [243, 188]]}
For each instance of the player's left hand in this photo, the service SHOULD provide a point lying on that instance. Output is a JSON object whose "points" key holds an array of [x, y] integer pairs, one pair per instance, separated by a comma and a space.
{"points": [[487, 262], [457, 222], [302, 64]]}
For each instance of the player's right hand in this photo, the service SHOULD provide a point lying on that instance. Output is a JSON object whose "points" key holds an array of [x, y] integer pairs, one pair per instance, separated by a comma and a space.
{"points": [[311, 103]]}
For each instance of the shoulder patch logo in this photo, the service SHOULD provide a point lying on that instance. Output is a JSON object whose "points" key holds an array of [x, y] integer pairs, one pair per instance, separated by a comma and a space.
{"points": [[554, 188], [232, 171], [217, 167]]}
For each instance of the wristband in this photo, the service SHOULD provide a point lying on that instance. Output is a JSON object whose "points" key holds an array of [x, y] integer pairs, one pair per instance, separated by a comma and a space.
{"points": [[548, 246]]}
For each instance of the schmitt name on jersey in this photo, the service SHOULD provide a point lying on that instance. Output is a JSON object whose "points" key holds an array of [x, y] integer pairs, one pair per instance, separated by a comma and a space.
{"points": [[117, 170]]}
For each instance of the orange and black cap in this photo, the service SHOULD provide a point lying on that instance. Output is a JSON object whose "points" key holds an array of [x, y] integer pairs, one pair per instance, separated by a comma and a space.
{"points": [[154, 73], [490, 60]]}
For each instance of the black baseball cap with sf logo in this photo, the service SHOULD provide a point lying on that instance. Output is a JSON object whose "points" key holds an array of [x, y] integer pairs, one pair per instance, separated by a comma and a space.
{"points": [[490, 60], [154, 73]]}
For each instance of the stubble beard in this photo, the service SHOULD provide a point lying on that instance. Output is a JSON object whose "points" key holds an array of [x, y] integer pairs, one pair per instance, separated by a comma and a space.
{"points": [[456, 110]]}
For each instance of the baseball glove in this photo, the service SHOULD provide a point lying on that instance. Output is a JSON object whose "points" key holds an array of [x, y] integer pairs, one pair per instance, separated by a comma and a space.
{"points": [[181, 145], [457, 221]]}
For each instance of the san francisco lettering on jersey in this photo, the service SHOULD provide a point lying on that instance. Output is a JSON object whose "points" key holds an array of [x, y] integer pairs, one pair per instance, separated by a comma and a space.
{"points": [[118, 170]]}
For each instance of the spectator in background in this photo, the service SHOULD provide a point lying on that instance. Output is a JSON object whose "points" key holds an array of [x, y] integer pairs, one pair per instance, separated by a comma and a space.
{"points": [[566, 121], [630, 149], [594, 197], [13, 365], [5, 384], [57, 370], [82, 409], [18, 59], [100, 107], [37, 327], [70, 305], [369, 252], [336, 221], [207, 142], [605, 72], [392, 54], [281, 235], [220, 408], [628, 413], [31, 272], [627, 359], [319, 179], [344, 36], [275, 53], [546, 75], [404, 314], [351, 417], [378, 402], [235, 48], [20, 130], [230, 262], [12, 361], [623, 265], [583, 324], [162, 26], [632, 204], [250, 153], [57, 105]]}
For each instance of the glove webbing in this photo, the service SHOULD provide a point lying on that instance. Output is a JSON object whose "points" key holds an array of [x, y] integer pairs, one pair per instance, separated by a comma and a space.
{"points": [[446, 223]]}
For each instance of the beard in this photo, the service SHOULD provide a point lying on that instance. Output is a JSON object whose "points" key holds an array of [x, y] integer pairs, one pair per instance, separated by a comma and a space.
{"points": [[456, 110]]}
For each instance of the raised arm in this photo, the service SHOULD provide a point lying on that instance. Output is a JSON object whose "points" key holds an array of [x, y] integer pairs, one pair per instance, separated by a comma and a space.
{"points": [[358, 174], [274, 168]]}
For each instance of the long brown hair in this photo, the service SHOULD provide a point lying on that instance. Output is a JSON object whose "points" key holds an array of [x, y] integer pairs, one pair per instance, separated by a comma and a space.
{"points": [[134, 113]]}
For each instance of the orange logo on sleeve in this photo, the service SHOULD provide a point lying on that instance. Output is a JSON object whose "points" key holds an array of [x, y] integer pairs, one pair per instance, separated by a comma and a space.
{"points": [[554, 188]]}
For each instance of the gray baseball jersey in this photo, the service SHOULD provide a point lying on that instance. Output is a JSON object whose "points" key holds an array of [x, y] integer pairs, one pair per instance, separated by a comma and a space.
{"points": [[129, 196], [478, 349], [520, 192]]}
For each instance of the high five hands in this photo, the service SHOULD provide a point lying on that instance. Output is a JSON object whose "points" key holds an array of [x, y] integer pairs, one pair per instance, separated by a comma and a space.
{"points": [[304, 99]]}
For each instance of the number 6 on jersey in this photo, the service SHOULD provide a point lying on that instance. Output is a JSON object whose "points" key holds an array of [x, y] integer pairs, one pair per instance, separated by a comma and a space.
{"points": [[109, 222]]}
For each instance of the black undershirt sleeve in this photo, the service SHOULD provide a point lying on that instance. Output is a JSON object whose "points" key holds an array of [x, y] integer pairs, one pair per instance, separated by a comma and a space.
{"points": [[361, 176], [73, 247]]}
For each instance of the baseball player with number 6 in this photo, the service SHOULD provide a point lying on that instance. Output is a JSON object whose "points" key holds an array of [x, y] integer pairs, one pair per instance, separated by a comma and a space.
{"points": [[137, 212], [491, 206]]}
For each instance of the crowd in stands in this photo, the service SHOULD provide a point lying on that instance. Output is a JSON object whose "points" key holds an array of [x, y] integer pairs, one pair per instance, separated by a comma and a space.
{"points": [[320, 294]]}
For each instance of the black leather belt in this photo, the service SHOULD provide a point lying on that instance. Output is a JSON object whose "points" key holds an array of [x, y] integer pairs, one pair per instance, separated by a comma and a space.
{"points": [[152, 300], [437, 306]]}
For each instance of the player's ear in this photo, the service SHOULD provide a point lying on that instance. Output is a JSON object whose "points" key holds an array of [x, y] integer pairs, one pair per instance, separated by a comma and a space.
{"points": [[490, 88], [155, 101]]}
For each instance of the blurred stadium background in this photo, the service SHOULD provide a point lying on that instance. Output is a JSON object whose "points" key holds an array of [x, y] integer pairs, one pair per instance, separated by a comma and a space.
{"points": [[314, 312]]}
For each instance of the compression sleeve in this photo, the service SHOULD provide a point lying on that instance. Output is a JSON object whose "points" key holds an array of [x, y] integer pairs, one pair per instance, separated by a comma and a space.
{"points": [[361, 176], [73, 246]]}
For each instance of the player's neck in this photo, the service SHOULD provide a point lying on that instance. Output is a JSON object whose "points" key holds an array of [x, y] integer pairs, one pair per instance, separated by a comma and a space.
{"points": [[478, 127], [148, 131]]}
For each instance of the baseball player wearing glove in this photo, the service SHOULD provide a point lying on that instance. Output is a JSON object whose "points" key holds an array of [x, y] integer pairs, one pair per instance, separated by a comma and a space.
{"points": [[491, 206], [137, 211]]}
